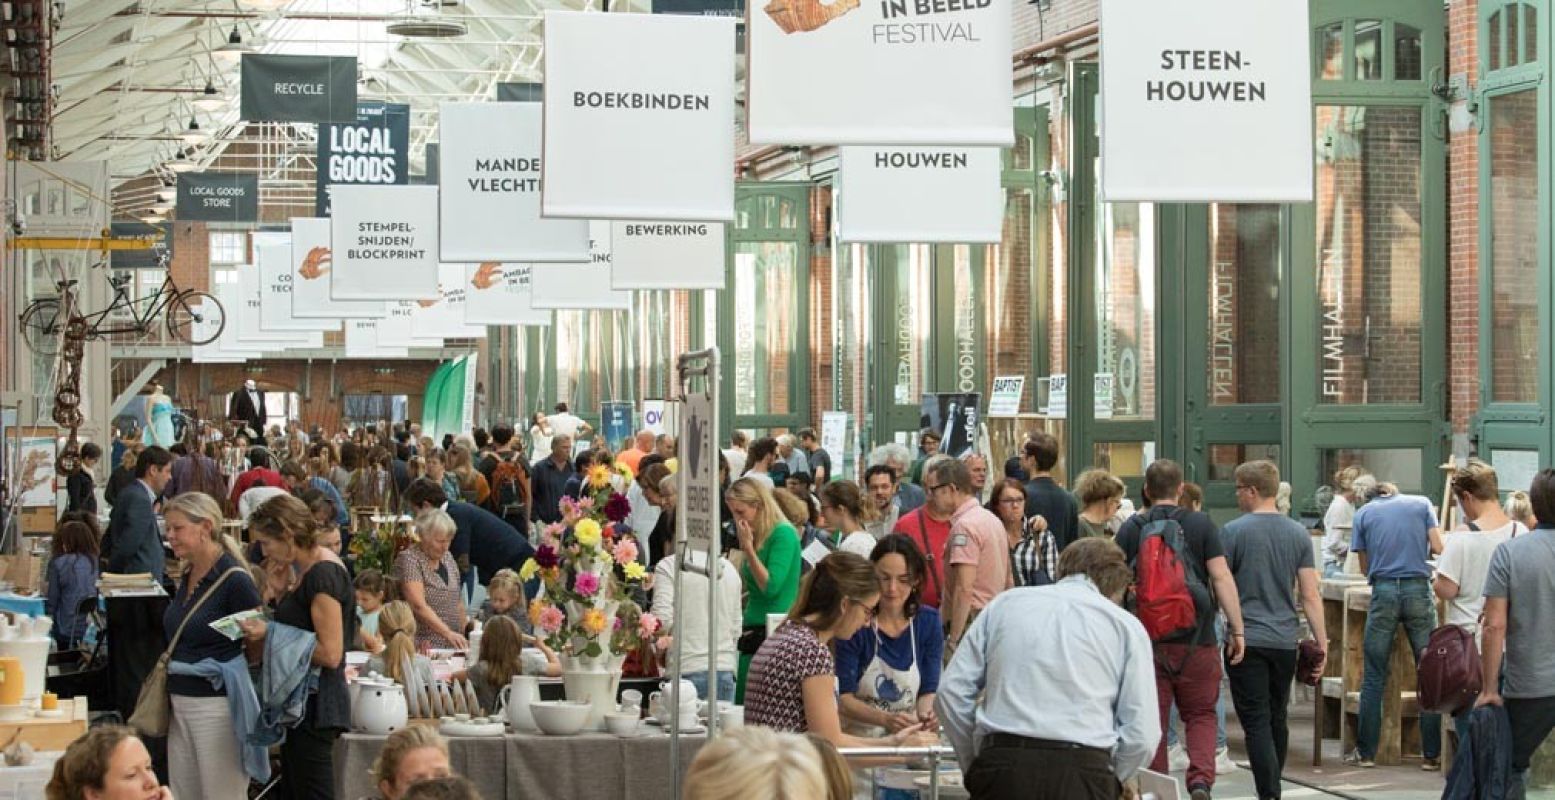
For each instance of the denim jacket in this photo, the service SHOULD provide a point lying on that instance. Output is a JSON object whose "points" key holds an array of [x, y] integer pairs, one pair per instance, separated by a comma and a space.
{"points": [[286, 679], [231, 678], [1482, 768]]}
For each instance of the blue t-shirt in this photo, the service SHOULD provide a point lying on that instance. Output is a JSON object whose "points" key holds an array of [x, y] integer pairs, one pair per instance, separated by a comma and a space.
{"points": [[854, 655], [1394, 533]]}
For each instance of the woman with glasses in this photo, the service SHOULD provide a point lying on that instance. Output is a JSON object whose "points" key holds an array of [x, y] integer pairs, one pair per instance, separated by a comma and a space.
{"points": [[1101, 495], [888, 672], [1033, 548]]}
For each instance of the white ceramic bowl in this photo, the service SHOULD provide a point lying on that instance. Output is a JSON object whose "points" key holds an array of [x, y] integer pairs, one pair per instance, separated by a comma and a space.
{"points": [[559, 717], [622, 723]]}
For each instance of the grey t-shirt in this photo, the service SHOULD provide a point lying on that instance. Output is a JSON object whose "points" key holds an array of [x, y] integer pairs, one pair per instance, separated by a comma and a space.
{"points": [[1520, 571], [1265, 552]]}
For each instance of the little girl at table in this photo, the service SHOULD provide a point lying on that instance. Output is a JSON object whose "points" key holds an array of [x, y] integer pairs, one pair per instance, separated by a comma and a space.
{"points": [[397, 625], [505, 598], [372, 591], [502, 656]]}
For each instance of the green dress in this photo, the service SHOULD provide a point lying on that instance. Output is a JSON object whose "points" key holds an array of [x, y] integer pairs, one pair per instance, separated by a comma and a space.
{"points": [[780, 554]]}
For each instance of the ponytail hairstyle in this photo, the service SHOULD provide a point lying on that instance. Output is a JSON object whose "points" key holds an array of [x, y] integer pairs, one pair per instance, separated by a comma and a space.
{"points": [[397, 626], [200, 507], [846, 496], [502, 644], [839, 576]]}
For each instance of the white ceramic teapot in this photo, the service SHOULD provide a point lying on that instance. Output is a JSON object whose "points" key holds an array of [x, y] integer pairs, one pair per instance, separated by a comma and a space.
{"points": [[381, 707], [513, 703]]}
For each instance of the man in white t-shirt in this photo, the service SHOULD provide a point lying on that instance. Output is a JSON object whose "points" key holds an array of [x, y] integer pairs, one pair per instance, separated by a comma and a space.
{"points": [[565, 423]]}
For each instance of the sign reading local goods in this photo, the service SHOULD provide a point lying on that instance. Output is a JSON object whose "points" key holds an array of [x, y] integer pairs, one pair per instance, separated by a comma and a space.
{"points": [[585, 285], [280, 88], [491, 188], [667, 255], [930, 72], [501, 294], [610, 123], [312, 261], [920, 194], [1206, 101], [384, 243], [373, 149], [218, 197]]}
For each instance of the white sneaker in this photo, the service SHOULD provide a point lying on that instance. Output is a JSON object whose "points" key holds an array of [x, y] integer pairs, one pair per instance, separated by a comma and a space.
{"points": [[1223, 762], [1177, 758]]}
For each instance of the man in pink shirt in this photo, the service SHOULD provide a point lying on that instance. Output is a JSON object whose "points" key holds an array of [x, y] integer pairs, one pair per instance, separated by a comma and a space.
{"points": [[978, 551]]}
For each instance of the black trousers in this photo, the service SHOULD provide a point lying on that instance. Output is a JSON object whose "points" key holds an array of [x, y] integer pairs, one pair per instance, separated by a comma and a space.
{"points": [[1260, 688], [1532, 719], [1059, 772], [308, 760]]}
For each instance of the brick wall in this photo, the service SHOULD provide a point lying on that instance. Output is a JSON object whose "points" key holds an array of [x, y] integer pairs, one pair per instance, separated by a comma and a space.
{"points": [[321, 390], [1463, 228]]}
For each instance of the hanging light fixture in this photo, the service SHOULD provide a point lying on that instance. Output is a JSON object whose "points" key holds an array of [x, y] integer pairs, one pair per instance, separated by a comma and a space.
{"points": [[153, 219], [193, 134], [234, 48], [209, 99], [181, 162], [425, 22]]}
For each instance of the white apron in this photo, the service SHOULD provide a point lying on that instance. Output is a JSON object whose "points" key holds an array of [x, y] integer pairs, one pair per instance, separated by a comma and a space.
{"points": [[887, 688]]}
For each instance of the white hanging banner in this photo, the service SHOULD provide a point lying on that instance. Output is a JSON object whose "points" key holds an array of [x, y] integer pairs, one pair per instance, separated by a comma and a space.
{"points": [[311, 261], [276, 281], [500, 294], [443, 318], [246, 316], [645, 132], [1206, 101], [362, 341], [920, 194], [489, 172], [383, 242], [667, 255], [227, 344], [580, 285], [880, 72], [394, 330], [210, 352]]}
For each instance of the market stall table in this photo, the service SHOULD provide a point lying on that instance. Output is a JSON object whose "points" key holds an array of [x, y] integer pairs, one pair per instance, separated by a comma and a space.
{"points": [[1347, 602], [29, 605]]}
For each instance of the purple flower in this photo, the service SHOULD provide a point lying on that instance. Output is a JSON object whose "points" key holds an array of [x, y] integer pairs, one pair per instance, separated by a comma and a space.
{"points": [[617, 507], [586, 584], [546, 556]]}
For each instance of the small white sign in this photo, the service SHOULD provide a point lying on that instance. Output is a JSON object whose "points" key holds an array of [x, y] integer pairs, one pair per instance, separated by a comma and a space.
{"points": [[920, 194], [1058, 396], [653, 416], [1102, 400], [699, 469], [1004, 400]]}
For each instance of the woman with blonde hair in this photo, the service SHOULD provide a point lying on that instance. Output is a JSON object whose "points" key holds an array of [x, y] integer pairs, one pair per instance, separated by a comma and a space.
{"points": [[1520, 508], [207, 755], [410, 754], [397, 630], [755, 763], [1351, 485], [108, 762], [1100, 494], [769, 568], [473, 487]]}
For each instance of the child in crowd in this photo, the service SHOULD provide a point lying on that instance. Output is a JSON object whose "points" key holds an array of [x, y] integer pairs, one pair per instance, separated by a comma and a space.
{"points": [[505, 598], [72, 578], [502, 657], [372, 590], [397, 626]]}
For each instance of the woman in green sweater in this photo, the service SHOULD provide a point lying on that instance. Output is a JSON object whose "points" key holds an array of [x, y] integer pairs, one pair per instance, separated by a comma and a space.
{"points": [[770, 567]]}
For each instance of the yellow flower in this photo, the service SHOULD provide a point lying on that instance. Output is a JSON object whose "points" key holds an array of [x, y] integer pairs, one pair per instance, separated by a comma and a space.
{"points": [[527, 572], [635, 571], [587, 532], [535, 607], [599, 477], [594, 622]]}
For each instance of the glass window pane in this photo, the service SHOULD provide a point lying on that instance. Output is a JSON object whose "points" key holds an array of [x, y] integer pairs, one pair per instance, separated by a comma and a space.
{"points": [[1020, 156], [1124, 459], [1010, 294], [1511, 37], [1055, 255], [1530, 33], [1244, 302], [914, 323], [1514, 246], [1515, 469], [1398, 465], [1329, 62], [766, 302], [1125, 307], [1369, 254], [853, 292], [1368, 50], [1406, 52], [1225, 458], [1493, 36], [965, 366]]}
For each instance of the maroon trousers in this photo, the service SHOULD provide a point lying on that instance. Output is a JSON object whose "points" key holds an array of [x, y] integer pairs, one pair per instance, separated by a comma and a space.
{"points": [[1190, 674]]}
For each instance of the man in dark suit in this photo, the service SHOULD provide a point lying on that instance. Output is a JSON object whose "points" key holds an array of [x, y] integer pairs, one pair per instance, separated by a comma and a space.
{"points": [[134, 540], [247, 405], [482, 539]]}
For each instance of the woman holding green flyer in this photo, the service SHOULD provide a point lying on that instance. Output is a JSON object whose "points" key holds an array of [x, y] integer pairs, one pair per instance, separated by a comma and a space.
{"points": [[205, 751]]}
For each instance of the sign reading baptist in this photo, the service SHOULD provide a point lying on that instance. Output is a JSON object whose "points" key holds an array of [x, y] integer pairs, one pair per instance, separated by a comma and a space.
{"points": [[277, 88]]}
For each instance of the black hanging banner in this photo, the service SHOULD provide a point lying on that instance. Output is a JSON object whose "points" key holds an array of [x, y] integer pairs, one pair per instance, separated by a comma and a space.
{"points": [[299, 88], [519, 92], [374, 148], [429, 176], [218, 197], [955, 416], [701, 8]]}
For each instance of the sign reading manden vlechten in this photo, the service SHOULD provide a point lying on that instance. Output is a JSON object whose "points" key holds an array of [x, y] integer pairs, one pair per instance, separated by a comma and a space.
{"points": [[277, 88], [218, 197]]}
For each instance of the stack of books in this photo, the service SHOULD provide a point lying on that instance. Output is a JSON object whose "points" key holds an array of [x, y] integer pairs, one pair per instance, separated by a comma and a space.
{"points": [[139, 584]]}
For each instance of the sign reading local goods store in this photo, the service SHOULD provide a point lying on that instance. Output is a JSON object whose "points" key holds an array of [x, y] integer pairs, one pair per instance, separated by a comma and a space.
{"points": [[1206, 101], [667, 255], [920, 194], [880, 72], [384, 243], [501, 294], [280, 88], [218, 197], [491, 188], [613, 125], [374, 149]]}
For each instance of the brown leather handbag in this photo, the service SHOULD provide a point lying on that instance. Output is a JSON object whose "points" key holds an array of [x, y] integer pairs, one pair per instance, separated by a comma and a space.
{"points": [[1449, 675]]}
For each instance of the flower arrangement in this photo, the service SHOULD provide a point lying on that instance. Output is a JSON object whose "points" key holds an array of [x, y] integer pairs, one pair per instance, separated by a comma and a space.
{"points": [[377, 547]]}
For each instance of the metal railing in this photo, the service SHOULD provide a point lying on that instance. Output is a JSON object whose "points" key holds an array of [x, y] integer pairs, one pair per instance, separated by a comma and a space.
{"points": [[934, 754]]}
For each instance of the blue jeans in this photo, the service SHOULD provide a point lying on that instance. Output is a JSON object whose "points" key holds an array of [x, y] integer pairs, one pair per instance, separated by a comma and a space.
{"points": [[725, 684], [1395, 602]]}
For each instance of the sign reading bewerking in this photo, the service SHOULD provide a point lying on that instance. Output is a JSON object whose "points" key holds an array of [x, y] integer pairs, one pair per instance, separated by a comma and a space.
{"points": [[384, 243], [872, 72], [375, 149], [668, 83], [667, 255], [1206, 101], [920, 194], [277, 88], [218, 197]]}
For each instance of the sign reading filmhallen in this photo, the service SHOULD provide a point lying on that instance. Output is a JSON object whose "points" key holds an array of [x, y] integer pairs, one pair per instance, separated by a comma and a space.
{"points": [[218, 197], [299, 88]]}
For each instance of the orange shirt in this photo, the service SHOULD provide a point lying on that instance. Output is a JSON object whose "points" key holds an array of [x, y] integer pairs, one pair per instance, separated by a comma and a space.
{"points": [[631, 457]]}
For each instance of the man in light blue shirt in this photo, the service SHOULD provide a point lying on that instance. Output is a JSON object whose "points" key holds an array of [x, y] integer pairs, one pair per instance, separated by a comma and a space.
{"points": [[1068, 681]]}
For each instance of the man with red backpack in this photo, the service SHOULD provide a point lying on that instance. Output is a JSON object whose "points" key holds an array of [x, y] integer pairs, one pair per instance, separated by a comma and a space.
{"points": [[508, 476], [1180, 573]]}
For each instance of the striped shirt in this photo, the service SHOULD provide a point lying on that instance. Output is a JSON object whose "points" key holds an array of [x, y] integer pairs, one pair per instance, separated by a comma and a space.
{"points": [[1036, 552]]}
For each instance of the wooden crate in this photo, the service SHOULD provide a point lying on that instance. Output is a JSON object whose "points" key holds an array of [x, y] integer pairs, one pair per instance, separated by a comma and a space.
{"points": [[49, 734]]}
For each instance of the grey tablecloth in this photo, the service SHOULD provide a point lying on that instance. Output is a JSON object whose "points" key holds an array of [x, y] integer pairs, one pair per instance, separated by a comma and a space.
{"points": [[530, 765]]}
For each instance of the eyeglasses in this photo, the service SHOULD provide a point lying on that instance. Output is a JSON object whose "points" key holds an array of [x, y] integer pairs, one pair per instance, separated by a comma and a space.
{"points": [[936, 488], [1013, 501]]}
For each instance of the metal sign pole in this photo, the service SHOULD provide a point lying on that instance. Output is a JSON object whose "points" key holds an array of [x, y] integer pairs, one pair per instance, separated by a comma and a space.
{"points": [[696, 527]]}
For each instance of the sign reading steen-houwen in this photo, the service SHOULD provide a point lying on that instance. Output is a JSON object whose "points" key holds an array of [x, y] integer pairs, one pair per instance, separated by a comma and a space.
{"points": [[218, 197], [278, 88], [1206, 101]]}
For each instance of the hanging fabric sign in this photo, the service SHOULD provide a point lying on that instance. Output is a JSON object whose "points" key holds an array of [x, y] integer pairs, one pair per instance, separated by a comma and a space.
{"points": [[490, 175], [311, 261], [444, 317], [218, 197], [362, 341], [374, 149], [246, 316], [276, 279], [280, 88], [929, 72], [500, 294], [610, 123], [581, 285], [1208, 101], [920, 194], [394, 330], [384, 243], [227, 344], [667, 255]]}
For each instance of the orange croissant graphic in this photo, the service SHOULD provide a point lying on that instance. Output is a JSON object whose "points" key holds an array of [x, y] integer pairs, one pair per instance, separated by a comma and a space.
{"points": [[486, 275], [795, 16], [315, 264]]}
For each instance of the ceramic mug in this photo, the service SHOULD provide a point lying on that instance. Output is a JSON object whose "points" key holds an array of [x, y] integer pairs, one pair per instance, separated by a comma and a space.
{"points": [[631, 698], [731, 716]]}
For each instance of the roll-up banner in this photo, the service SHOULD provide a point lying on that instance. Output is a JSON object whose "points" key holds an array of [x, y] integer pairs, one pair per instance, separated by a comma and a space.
{"points": [[667, 82], [615, 423], [501, 294], [667, 255], [1207, 101], [218, 197], [955, 415], [920, 194], [490, 173], [374, 149], [443, 318], [384, 243], [901, 72], [276, 279], [280, 88], [584, 285], [312, 260], [362, 341]]}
